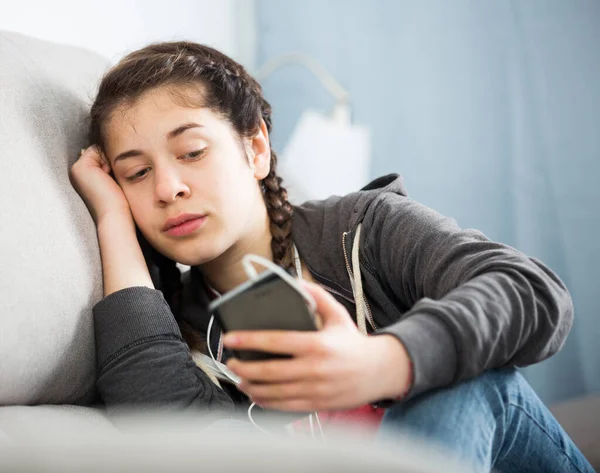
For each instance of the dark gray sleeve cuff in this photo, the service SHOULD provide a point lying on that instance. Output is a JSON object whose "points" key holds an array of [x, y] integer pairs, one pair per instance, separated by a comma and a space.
{"points": [[129, 316], [431, 348]]}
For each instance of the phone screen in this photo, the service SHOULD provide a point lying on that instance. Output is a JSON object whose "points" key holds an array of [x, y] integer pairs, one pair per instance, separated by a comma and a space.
{"points": [[268, 303]]}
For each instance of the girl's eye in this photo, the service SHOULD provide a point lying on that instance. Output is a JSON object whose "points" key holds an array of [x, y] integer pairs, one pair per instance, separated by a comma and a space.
{"points": [[187, 157], [194, 154], [138, 175]]}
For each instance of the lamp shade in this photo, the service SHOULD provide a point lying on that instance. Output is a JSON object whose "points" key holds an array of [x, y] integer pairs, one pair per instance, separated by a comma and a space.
{"points": [[325, 156]]}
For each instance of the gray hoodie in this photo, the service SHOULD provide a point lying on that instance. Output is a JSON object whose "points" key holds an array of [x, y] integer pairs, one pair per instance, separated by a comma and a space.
{"points": [[460, 303]]}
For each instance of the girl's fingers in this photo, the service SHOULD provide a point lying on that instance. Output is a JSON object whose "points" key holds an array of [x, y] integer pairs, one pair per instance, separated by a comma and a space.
{"points": [[93, 154], [274, 371], [285, 342], [278, 392], [289, 405]]}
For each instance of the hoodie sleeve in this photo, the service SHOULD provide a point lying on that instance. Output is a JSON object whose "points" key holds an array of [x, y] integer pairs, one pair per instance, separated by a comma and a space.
{"points": [[142, 359], [474, 304]]}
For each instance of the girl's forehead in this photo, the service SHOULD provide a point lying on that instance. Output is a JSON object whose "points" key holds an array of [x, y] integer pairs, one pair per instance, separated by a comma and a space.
{"points": [[148, 107], [152, 116], [161, 101]]}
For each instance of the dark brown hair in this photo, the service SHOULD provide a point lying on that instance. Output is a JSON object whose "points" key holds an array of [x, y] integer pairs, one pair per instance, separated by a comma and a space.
{"points": [[190, 70]]}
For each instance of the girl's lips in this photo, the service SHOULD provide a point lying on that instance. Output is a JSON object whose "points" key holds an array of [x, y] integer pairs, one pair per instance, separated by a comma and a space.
{"points": [[186, 228]]}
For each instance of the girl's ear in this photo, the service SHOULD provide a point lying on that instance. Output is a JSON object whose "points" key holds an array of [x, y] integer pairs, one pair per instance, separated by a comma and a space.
{"points": [[260, 158]]}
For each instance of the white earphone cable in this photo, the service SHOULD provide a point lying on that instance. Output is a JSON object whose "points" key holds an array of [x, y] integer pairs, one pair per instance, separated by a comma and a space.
{"points": [[252, 274]]}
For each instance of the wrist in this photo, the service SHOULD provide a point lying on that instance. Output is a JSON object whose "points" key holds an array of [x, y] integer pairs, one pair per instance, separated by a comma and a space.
{"points": [[395, 382], [112, 217], [123, 263]]}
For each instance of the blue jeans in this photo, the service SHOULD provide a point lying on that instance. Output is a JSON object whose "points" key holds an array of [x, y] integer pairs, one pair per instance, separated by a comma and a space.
{"points": [[495, 421]]}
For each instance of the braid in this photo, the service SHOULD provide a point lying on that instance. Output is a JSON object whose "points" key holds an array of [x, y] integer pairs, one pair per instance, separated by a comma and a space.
{"points": [[279, 209]]}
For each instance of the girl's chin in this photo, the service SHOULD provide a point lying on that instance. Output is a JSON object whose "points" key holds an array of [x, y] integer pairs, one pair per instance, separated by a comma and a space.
{"points": [[192, 253], [197, 259]]}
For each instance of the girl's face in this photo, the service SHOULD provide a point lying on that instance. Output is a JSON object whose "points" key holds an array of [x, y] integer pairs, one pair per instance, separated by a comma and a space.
{"points": [[172, 160]]}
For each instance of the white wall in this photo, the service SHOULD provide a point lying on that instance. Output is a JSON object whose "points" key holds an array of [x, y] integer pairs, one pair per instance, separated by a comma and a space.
{"points": [[114, 27]]}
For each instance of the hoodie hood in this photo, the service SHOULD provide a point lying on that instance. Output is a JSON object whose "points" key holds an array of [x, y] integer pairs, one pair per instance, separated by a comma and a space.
{"points": [[319, 226]]}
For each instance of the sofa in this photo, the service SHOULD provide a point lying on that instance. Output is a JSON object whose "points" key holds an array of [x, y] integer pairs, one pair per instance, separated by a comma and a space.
{"points": [[50, 278]]}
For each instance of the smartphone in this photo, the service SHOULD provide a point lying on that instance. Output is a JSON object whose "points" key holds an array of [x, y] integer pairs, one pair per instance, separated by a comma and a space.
{"points": [[265, 303]]}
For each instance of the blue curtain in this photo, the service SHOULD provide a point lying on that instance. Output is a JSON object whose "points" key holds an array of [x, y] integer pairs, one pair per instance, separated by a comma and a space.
{"points": [[491, 111]]}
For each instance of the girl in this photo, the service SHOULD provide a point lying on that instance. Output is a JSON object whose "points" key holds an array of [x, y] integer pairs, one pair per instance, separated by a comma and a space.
{"points": [[180, 152]]}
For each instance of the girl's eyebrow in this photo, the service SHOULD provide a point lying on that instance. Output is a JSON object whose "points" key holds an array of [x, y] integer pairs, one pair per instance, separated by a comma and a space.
{"points": [[180, 129], [171, 135]]}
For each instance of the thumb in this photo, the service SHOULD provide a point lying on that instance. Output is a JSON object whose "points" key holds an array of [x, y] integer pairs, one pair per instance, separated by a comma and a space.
{"points": [[332, 313]]}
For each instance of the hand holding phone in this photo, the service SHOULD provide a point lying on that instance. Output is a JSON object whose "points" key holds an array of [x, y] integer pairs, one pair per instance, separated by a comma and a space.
{"points": [[267, 302]]}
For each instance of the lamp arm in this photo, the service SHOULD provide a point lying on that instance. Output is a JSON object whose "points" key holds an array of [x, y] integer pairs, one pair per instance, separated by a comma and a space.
{"points": [[334, 88]]}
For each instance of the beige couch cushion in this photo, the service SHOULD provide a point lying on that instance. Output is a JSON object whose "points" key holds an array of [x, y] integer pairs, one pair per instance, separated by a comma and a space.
{"points": [[30, 425], [581, 419], [50, 274]]}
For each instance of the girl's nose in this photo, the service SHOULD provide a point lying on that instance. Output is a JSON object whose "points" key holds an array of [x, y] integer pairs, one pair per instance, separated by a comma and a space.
{"points": [[169, 185]]}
